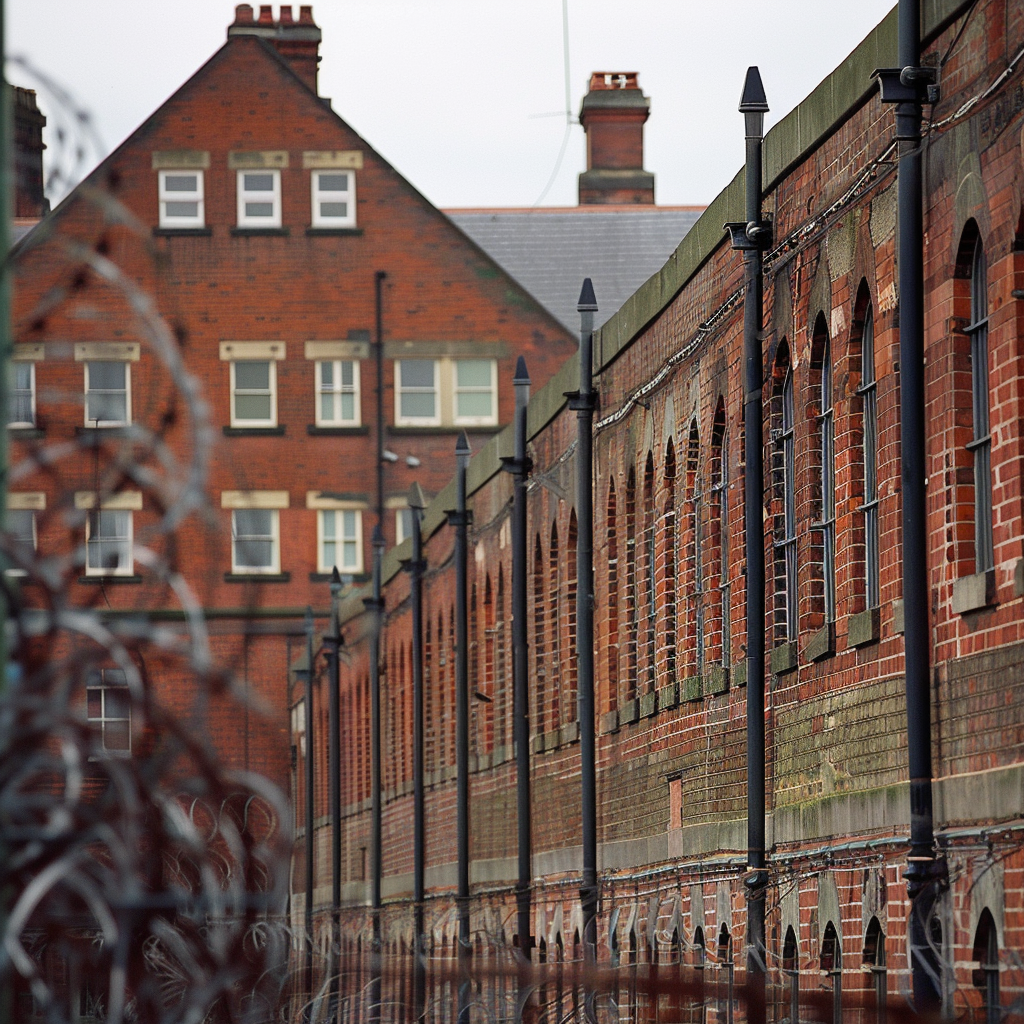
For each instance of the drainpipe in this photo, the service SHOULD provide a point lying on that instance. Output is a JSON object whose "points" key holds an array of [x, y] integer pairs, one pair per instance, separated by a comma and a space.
{"points": [[309, 802], [752, 237], [584, 402], [460, 519], [910, 86], [415, 568], [378, 284], [519, 466]]}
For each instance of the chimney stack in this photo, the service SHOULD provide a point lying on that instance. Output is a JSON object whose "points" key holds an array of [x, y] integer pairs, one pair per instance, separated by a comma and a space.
{"points": [[297, 41], [613, 114]]}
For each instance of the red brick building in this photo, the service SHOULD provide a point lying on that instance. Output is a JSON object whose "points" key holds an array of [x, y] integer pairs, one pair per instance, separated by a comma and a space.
{"points": [[195, 388], [670, 582]]}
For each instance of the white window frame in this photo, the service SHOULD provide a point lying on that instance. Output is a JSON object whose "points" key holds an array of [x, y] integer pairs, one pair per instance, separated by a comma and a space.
{"points": [[319, 195], [237, 421], [127, 394], [492, 390], [166, 196], [356, 538], [128, 567], [336, 390], [274, 568], [400, 390], [97, 680], [15, 365], [245, 195], [16, 570]]}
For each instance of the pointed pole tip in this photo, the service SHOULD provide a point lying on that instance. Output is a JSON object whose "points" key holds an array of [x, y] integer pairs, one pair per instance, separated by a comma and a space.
{"points": [[587, 300], [462, 444], [753, 100], [522, 376], [416, 499]]}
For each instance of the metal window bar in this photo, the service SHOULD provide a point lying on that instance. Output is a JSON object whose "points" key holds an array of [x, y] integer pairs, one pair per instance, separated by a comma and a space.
{"points": [[981, 443], [720, 491], [698, 574], [868, 394], [785, 438], [828, 486]]}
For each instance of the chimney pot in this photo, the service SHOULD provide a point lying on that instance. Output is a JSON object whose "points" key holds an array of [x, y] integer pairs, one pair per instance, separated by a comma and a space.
{"points": [[266, 14], [243, 14], [306, 15], [285, 17]]}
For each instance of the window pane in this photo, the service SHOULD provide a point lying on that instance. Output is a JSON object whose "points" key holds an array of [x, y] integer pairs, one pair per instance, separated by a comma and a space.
{"points": [[117, 736], [327, 407], [118, 702], [251, 553], [349, 557], [417, 406], [252, 407], [107, 408], [20, 525], [180, 209], [333, 182], [254, 522], [348, 406], [348, 524], [180, 182], [327, 375], [474, 404], [330, 553], [107, 376], [252, 376], [417, 373], [473, 373], [259, 209], [329, 533], [259, 182], [94, 702], [334, 209], [347, 374]]}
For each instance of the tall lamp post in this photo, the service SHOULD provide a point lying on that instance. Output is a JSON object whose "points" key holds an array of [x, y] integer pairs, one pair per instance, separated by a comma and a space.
{"points": [[334, 779], [752, 237], [309, 800]]}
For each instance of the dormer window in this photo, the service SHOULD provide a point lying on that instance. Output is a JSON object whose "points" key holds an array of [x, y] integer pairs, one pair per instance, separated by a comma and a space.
{"points": [[181, 199], [259, 199]]}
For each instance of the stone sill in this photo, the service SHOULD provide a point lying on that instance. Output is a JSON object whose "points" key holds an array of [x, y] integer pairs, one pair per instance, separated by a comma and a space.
{"points": [[862, 628], [690, 689], [352, 577], [25, 433], [182, 232], [784, 658], [629, 712], [314, 431], [972, 593], [254, 431], [333, 232], [897, 616], [257, 577], [257, 232], [715, 681], [109, 579], [648, 704], [822, 644], [668, 696], [609, 723], [442, 430]]}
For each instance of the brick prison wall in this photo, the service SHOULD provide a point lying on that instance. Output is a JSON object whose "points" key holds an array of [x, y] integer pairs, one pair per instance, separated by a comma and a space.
{"points": [[670, 574]]}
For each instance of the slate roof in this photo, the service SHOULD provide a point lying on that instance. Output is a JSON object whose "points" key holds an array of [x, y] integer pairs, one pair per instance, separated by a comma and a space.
{"points": [[550, 250]]}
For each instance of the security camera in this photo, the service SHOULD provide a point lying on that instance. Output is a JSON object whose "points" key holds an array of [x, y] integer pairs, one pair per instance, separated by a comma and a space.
{"points": [[411, 461], [389, 456]]}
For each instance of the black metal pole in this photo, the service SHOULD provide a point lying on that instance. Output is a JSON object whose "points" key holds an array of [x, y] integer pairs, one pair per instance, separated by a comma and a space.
{"points": [[415, 567], [334, 781], [460, 519], [309, 803], [584, 402], [752, 237], [374, 605], [908, 87], [378, 284], [520, 666]]}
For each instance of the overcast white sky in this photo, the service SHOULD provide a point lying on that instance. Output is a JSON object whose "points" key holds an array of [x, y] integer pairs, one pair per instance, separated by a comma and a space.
{"points": [[451, 91]]}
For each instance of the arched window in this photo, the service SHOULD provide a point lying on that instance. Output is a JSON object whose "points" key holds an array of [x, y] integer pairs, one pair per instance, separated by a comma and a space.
{"points": [[791, 967], [554, 711], [784, 496], [874, 960], [986, 977], [428, 695], [691, 570], [981, 441], [821, 368], [631, 602], [488, 689], [569, 709], [475, 710], [450, 697], [668, 638], [720, 532], [502, 683], [650, 588], [867, 391], [539, 638], [832, 965], [612, 631]]}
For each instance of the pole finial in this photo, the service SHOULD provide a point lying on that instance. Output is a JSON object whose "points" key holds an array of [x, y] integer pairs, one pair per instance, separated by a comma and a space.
{"points": [[587, 300], [462, 445], [416, 499], [522, 377], [753, 100]]}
